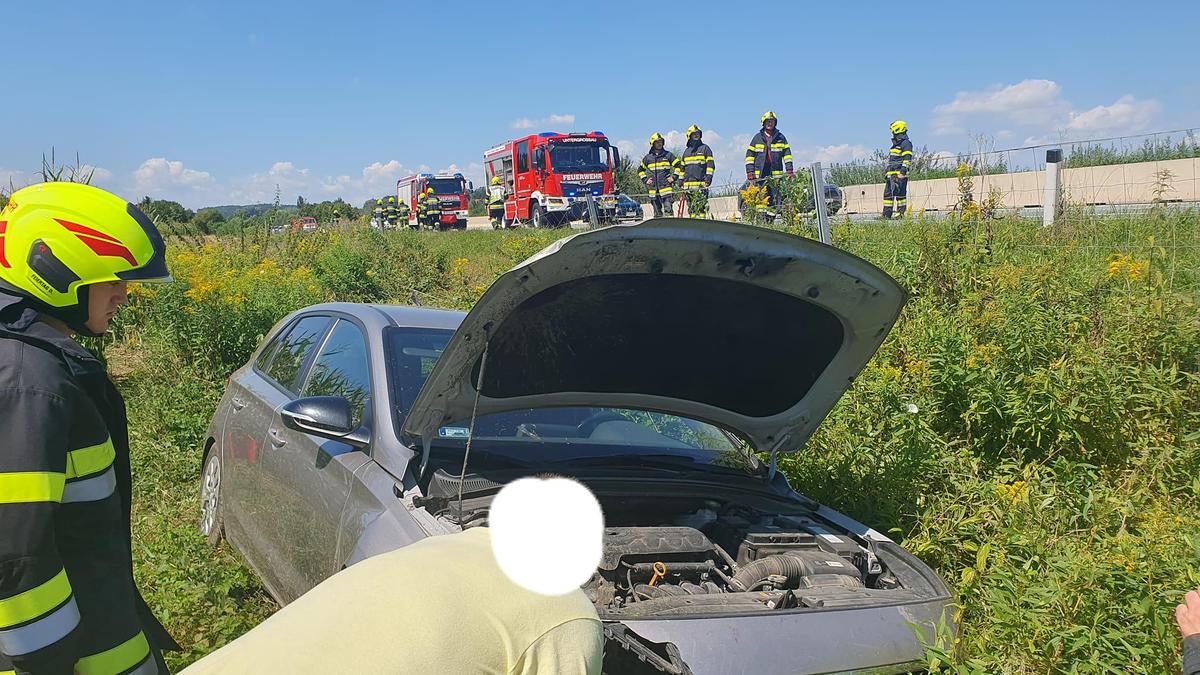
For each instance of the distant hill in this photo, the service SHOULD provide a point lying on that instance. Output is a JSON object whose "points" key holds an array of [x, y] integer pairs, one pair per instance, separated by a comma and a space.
{"points": [[249, 209]]}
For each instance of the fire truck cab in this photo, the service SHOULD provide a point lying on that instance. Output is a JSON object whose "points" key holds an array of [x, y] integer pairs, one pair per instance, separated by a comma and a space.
{"points": [[548, 177], [452, 190]]}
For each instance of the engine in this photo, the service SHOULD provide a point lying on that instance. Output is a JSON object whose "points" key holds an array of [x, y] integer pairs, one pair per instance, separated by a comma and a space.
{"points": [[781, 562]]}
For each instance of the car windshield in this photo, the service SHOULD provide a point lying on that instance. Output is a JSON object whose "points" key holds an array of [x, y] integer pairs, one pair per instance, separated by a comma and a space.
{"points": [[447, 186], [571, 434], [578, 156]]}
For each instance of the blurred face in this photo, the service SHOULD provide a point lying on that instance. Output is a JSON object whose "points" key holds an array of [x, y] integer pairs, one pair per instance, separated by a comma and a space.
{"points": [[103, 300], [695, 136], [658, 145], [769, 124]]}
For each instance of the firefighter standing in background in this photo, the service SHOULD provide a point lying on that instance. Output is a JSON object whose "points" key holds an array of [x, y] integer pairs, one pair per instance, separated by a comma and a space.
{"points": [[496, 203], [433, 208], [421, 217], [390, 212], [900, 156], [379, 213], [68, 602], [698, 170], [659, 169], [401, 212], [768, 157]]}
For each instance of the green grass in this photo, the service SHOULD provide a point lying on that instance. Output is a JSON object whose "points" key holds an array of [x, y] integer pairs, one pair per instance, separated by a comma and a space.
{"points": [[1151, 150], [926, 166], [1049, 473]]}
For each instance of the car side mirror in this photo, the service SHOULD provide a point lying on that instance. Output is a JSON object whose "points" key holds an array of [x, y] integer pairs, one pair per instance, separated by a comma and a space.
{"points": [[325, 416]]}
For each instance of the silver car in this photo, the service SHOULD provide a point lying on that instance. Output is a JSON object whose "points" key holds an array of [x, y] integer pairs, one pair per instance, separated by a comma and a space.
{"points": [[648, 361]]}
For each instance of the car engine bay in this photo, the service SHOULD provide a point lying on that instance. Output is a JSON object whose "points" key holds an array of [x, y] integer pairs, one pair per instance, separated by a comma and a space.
{"points": [[687, 556], [727, 558]]}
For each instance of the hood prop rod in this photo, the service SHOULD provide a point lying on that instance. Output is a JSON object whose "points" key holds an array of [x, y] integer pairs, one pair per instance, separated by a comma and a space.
{"points": [[462, 476]]}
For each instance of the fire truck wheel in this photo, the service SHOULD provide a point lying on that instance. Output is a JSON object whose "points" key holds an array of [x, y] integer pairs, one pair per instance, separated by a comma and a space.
{"points": [[537, 217]]}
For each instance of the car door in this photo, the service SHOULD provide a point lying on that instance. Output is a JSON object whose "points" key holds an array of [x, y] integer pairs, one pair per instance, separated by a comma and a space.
{"points": [[242, 432], [315, 475], [255, 495], [525, 181]]}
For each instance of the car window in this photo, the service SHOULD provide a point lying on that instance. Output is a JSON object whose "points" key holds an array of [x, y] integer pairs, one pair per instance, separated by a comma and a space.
{"points": [[342, 369], [295, 349], [264, 357], [560, 432]]}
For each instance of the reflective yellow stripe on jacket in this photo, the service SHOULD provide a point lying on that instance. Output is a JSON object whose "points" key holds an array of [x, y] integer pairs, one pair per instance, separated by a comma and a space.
{"points": [[38, 617], [119, 659], [31, 486]]}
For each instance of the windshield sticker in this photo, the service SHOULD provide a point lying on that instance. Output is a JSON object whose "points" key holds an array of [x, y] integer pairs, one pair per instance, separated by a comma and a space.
{"points": [[453, 432]]}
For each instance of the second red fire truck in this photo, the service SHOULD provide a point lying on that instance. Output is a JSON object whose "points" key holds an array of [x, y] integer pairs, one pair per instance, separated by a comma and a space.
{"points": [[453, 192], [548, 176]]}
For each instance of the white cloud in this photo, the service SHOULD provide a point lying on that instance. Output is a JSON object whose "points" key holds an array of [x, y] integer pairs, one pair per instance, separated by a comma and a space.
{"points": [[375, 179], [835, 154], [163, 178], [1128, 114], [1001, 99], [1028, 102], [12, 180], [1037, 111], [158, 172], [551, 120], [944, 159], [335, 185]]}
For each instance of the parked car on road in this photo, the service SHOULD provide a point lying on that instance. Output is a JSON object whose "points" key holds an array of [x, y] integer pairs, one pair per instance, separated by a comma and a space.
{"points": [[666, 365], [628, 208]]}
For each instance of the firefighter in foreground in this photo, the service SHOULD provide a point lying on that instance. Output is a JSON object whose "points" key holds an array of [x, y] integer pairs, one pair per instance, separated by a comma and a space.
{"points": [[379, 213], [698, 170], [659, 169], [768, 158], [895, 191], [496, 203], [68, 602]]}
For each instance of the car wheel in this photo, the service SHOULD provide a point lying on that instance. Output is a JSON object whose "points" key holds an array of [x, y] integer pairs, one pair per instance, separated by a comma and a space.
{"points": [[537, 217], [210, 498]]}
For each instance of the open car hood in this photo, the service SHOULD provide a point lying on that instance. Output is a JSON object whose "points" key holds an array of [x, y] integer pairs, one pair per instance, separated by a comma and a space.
{"points": [[753, 330]]}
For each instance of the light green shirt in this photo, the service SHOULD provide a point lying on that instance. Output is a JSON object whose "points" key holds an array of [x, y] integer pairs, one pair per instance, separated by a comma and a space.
{"points": [[441, 605]]}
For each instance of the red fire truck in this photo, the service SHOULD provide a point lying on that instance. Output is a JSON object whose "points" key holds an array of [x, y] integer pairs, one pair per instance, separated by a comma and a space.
{"points": [[452, 190], [548, 177]]}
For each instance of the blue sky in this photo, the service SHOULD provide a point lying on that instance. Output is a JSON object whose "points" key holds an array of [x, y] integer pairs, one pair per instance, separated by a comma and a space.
{"points": [[216, 103]]}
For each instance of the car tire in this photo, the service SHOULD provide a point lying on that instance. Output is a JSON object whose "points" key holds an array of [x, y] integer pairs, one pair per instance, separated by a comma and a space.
{"points": [[537, 217], [211, 525]]}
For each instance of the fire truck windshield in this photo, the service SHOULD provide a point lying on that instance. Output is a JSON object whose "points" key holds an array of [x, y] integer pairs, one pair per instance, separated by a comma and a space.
{"points": [[447, 186], [576, 157]]}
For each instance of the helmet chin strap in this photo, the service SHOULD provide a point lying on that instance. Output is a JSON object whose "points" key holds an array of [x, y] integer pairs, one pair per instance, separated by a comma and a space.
{"points": [[75, 316]]}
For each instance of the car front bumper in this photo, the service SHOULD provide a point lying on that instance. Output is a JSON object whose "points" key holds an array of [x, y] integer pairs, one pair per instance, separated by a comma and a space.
{"points": [[835, 640]]}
